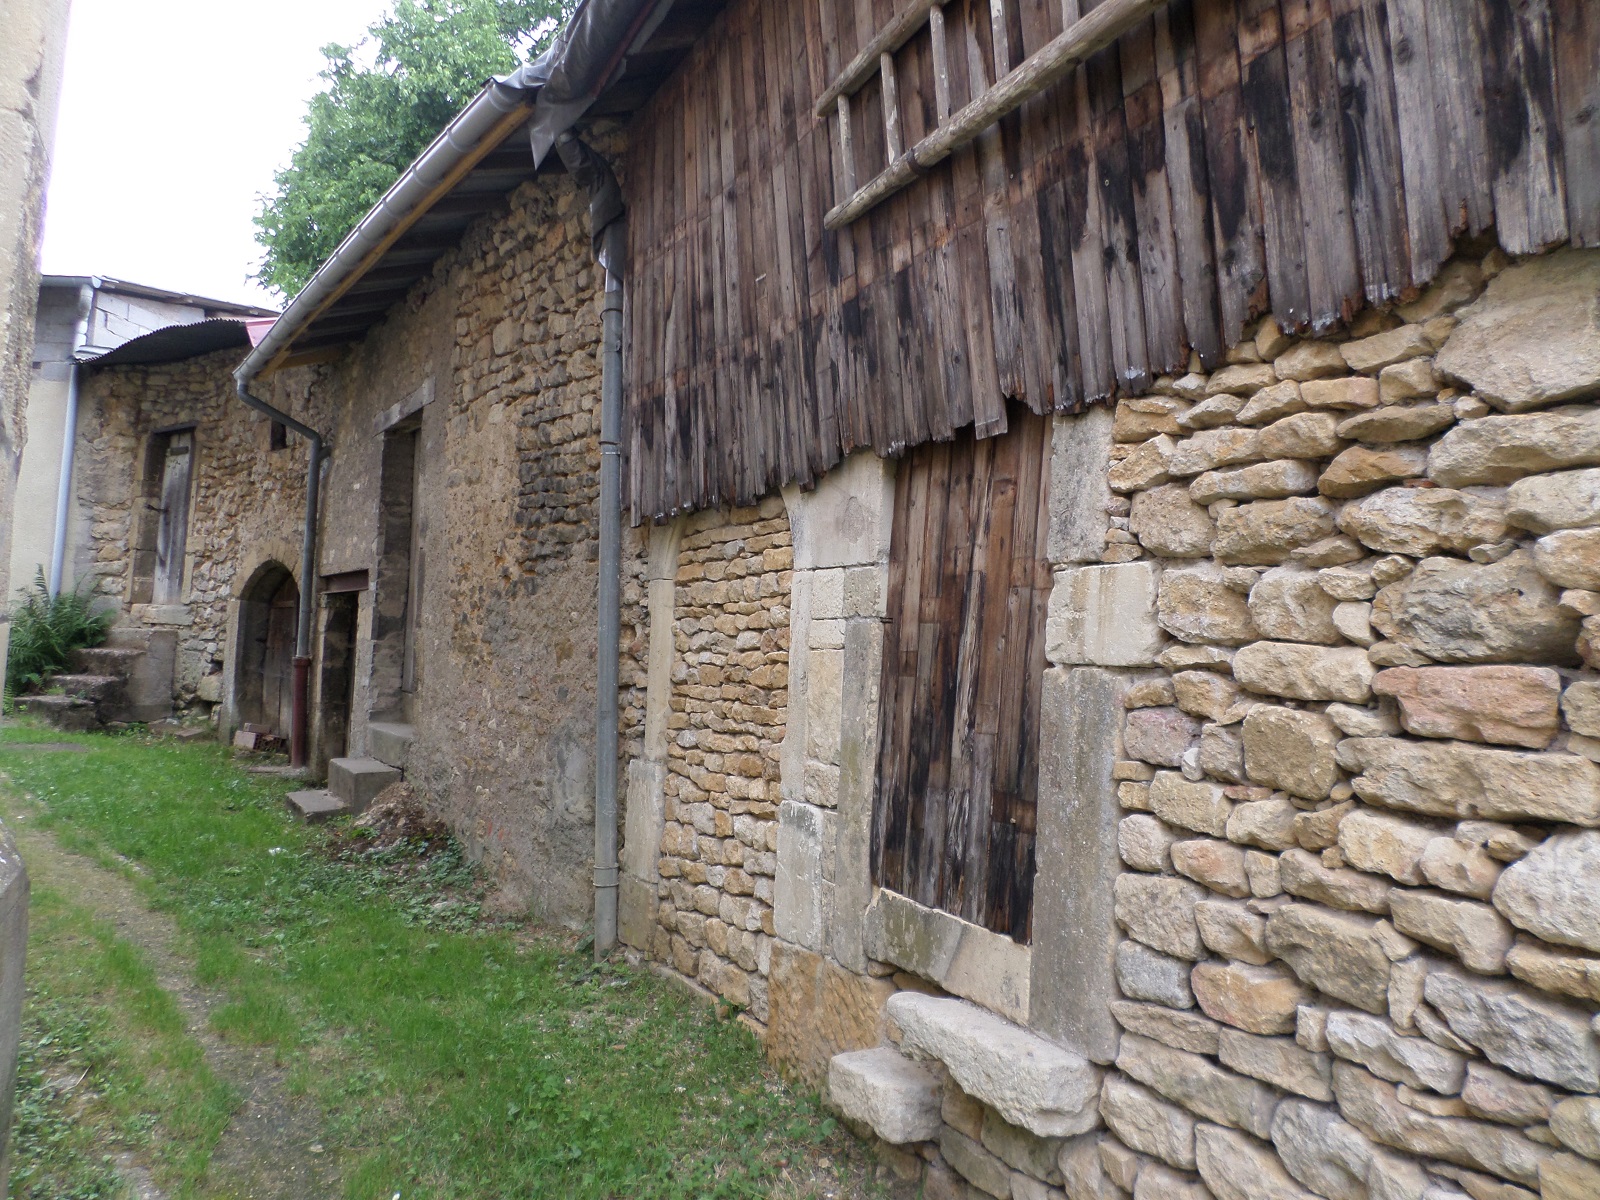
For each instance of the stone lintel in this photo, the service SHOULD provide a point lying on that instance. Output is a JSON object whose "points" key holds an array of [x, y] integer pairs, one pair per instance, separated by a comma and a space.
{"points": [[968, 960]]}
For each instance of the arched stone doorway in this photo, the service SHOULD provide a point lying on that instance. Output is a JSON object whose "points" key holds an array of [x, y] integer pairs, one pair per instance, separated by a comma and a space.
{"points": [[264, 679]]}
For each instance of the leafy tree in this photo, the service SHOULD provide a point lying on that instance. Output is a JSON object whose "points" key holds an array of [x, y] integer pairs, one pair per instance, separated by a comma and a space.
{"points": [[428, 59]]}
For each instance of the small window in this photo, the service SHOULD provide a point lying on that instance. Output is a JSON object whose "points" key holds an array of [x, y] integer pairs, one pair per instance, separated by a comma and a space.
{"points": [[278, 436]]}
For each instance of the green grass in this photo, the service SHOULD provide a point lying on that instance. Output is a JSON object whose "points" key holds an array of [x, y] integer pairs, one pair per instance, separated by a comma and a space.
{"points": [[451, 1057]]}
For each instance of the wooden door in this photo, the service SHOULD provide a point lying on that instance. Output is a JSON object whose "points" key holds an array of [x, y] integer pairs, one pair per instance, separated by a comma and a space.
{"points": [[172, 530], [277, 667], [963, 668]]}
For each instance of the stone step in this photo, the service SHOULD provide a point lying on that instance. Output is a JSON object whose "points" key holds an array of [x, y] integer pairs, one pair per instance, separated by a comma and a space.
{"points": [[88, 687], [64, 712], [125, 637], [390, 742], [107, 660], [315, 805], [357, 781]]}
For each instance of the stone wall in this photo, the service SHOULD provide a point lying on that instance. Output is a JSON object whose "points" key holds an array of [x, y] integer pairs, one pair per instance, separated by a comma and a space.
{"points": [[728, 703], [243, 494]]}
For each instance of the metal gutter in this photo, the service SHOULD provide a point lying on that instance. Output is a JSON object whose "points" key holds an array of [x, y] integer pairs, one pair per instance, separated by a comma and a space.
{"points": [[69, 434]]}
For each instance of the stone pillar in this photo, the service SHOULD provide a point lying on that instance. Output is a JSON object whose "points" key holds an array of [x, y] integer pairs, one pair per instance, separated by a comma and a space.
{"points": [[30, 81]]}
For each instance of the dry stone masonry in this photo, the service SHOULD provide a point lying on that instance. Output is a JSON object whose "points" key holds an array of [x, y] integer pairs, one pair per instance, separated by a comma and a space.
{"points": [[1349, 594], [729, 700]]}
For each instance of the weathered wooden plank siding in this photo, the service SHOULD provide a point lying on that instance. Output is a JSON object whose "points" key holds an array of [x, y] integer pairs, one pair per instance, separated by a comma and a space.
{"points": [[1228, 158]]}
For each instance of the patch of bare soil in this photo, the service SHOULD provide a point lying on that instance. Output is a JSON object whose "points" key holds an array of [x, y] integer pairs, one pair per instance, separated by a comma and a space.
{"points": [[266, 1153]]}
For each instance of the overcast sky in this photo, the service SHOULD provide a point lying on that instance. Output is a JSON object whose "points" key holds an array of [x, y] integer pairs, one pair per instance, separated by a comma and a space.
{"points": [[174, 116]]}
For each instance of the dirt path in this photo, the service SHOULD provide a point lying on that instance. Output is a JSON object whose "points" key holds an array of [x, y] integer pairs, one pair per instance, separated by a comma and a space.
{"points": [[266, 1153]]}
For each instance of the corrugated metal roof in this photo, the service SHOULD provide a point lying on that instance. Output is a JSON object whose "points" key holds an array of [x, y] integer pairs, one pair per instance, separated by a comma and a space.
{"points": [[177, 342]]}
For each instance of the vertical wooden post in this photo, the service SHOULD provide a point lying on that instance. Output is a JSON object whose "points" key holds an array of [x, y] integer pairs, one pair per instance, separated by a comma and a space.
{"points": [[941, 64], [847, 147], [1001, 28], [891, 106]]}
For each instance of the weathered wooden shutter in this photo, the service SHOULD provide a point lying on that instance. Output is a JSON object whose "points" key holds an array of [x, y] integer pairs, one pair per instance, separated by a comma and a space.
{"points": [[963, 667], [172, 530]]}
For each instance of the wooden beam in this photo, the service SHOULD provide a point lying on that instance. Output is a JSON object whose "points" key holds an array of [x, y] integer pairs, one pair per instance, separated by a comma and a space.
{"points": [[1069, 49], [865, 65], [941, 64], [891, 107], [847, 152], [503, 128]]}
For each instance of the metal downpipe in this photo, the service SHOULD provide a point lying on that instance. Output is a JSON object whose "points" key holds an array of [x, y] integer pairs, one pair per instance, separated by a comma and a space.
{"points": [[610, 621], [300, 717], [69, 438]]}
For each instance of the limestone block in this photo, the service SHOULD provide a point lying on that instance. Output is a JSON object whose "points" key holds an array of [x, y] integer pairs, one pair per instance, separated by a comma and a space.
{"points": [[1456, 779], [1547, 503], [805, 837], [1422, 521], [1310, 360], [1207, 694], [1326, 1154], [1288, 604], [1279, 400], [1104, 615], [1385, 844], [1213, 448], [1470, 930], [1502, 449], [1256, 999], [1260, 481], [1570, 558], [1266, 823], [1236, 1167], [1181, 1030], [1370, 355], [1576, 1121], [1144, 842], [1291, 750], [966, 959], [883, 1089], [1159, 736], [1021, 1150], [1146, 974], [1460, 866], [1533, 338], [1159, 911], [1167, 522], [1518, 1029], [1230, 930], [1208, 414], [1029, 1081], [1148, 466], [1147, 1123], [1265, 532], [1246, 378], [1300, 672], [1373, 1107], [1555, 891], [1197, 805], [1516, 706], [1353, 620], [1306, 876], [1142, 417], [1303, 435], [1567, 1177], [817, 1009], [1363, 469], [1376, 1045], [1580, 704], [1351, 392], [976, 1165], [1570, 972], [1217, 864], [1397, 423], [1195, 604], [1500, 1096], [1197, 1083], [1339, 953], [845, 521], [1279, 1061], [1079, 449], [1083, 1173], [1383, 721]]}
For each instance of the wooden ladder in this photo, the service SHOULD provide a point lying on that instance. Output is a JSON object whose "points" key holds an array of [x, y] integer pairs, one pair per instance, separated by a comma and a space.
{"points": [[1081, 37]]}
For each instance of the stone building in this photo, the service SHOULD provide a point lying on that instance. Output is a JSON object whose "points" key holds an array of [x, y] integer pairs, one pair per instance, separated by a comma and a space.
{"points": [[1107, 602]]}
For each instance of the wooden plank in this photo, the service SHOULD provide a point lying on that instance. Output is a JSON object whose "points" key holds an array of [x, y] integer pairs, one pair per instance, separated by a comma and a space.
{"points": [[1577, 24], [1427, 227], [1457, 61], [1120, 232], [1332, 269], [941, 63], [1524, 126], [1084, 225], [1188, 184], [1371, 148], [1264, 89], [865, 64], [891, 107]]}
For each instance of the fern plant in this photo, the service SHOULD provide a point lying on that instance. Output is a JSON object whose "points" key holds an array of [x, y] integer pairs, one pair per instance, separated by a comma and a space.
{"points": [[45, 630]]}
